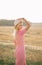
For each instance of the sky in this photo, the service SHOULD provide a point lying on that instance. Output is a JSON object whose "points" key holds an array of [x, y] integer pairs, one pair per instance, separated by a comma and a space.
{"points": [[29, 9]]}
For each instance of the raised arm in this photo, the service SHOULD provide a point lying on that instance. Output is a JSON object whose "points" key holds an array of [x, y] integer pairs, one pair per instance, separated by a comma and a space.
{"points": [[28, 25]]}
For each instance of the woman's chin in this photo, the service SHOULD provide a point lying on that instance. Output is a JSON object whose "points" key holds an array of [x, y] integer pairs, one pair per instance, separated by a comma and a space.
{"points": [[19, 28]]}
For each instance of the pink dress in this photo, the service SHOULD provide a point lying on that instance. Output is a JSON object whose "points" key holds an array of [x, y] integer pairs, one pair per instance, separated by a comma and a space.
{"points": [[20, 49]]}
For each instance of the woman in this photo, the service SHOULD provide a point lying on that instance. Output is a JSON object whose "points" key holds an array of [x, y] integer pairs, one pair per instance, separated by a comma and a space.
{"points": [[19, 40]]}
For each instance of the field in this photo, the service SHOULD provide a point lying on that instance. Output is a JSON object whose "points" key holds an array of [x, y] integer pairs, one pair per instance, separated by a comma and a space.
{"points": [[33, 45]]}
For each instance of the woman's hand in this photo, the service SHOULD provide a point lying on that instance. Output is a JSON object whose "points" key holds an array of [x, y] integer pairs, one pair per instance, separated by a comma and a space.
{"points": [[28, 23]]}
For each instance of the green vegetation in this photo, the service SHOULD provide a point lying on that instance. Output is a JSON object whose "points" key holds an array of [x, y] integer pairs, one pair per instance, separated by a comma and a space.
{"points": [[32, 37], [7, 56], [4, 22]]}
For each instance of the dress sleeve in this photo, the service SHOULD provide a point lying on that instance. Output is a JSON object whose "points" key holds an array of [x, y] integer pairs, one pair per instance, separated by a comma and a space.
{"points": [[23, 31]]}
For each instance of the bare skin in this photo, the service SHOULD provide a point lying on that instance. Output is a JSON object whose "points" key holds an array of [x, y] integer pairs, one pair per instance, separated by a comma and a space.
{"points": [[19, 25], [20, 59], [28, 24]]}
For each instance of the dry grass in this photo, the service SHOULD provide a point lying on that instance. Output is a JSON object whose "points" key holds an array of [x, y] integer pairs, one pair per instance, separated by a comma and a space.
{"points": [[32, 37], [6, 34]]}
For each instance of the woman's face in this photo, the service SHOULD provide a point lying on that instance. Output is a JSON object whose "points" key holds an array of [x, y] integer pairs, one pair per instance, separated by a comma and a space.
{"points": [[19, 25]]}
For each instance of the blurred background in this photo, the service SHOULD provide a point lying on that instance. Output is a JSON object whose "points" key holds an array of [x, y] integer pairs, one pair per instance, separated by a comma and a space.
{"points": [[33, 43], [10, 10]]}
